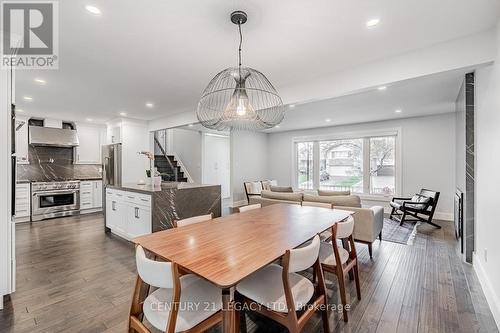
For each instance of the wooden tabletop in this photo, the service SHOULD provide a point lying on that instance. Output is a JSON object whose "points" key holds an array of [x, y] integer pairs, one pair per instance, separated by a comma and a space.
{"points": [[227, 249]]}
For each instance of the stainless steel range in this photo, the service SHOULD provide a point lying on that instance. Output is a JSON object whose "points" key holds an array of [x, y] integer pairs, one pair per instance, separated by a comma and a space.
{"points": [[55, 199]]}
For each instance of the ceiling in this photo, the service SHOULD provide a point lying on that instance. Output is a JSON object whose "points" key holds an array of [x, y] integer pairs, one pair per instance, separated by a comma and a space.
{"points": [[433, 94], [166, 52]]}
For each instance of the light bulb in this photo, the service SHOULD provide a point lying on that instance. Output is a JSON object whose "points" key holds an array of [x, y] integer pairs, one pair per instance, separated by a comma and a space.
{"points": [[241, 109]]}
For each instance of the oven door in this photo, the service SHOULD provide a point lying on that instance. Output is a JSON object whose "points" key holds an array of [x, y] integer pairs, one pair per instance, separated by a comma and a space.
{"points": [[55, 201]]}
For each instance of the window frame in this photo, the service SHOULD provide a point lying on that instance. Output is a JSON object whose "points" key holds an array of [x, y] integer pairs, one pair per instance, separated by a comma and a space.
{"points": [[365, 135]]}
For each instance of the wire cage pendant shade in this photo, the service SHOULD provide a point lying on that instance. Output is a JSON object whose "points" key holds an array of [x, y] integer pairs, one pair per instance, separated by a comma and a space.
{"points": [[240, 98]]}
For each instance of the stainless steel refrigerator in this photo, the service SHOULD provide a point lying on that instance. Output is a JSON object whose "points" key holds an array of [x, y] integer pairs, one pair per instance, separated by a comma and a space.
{"points": [[111, 171], [112, 164]]}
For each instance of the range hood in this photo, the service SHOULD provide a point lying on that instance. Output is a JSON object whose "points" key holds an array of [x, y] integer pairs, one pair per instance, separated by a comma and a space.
{"points": [[54, 137]]}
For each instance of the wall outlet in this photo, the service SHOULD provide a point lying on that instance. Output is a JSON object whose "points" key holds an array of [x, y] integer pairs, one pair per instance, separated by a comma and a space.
{"points": [[485, 254]]}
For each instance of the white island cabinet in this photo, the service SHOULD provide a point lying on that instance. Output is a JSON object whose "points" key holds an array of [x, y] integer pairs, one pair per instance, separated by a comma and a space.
{"points": [[128, 214]]}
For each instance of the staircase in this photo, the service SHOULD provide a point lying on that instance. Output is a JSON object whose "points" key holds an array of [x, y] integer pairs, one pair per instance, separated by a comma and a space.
{"points": [[169, 168]]}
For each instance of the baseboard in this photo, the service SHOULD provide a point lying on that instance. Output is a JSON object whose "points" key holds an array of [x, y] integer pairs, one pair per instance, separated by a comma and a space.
{"points": [[239, 203], [437, 215], [491, 297], [443, 216]]}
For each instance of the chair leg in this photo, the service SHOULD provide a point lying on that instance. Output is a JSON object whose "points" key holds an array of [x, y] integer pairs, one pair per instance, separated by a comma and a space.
{"points": [[380, 235], [356, 278], [342, 292], [324, 317], [392, 212], [433, 224], [370, 250], [403, 218]]}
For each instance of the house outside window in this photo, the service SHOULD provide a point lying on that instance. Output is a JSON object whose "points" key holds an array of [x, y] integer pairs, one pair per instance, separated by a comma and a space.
{"points": [[363, 165]]}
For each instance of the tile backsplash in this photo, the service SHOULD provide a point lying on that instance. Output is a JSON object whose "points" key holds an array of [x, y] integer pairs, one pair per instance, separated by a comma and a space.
{"points": [[55, 164]]}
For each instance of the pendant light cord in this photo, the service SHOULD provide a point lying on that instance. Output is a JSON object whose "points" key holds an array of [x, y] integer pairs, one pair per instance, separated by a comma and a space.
{"points": [[239, 51]]}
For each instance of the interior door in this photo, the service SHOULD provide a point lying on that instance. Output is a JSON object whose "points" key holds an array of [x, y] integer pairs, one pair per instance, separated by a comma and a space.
{"points": [[217, 162]]}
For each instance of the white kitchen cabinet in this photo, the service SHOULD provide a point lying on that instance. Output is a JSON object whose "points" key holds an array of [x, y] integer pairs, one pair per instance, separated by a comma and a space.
{"points": [[22, 140], [23, 202], [90, 196], [97, 193], [90, 140], [128, 214]]}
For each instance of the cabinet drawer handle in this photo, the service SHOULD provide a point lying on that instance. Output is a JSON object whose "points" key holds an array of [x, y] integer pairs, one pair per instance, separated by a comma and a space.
{"points": [[136, 212], [113, 205], [85, 192], [145, 200], [130, 197]]}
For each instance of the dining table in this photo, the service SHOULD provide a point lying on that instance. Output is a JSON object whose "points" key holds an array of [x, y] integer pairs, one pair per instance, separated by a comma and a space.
{"points": [[226, 250]]}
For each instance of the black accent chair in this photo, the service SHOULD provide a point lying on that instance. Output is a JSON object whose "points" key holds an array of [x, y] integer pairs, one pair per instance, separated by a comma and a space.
{"points": [[419, 208]]}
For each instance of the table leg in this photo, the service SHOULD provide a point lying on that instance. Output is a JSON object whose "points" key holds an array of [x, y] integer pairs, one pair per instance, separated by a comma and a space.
{"points": [[227, 312]]}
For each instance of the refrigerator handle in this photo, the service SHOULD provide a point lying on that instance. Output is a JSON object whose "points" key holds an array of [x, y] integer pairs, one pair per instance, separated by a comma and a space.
{"points": [[104, 170]]}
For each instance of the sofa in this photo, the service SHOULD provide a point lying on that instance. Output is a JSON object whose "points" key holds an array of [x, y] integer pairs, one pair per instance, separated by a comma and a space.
{"points": [[368, 222]]}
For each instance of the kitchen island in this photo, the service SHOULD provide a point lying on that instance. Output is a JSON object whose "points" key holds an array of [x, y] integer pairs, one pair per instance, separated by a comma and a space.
{"points": [[133, 210]]}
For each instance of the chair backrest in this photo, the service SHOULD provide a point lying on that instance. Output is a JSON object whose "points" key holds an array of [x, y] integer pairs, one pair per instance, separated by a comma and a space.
{"points": [[155, 273], [249, 207], [317, 204], [193, 220], [252, 188], [343, 229], [433, 195], [304, 257]]}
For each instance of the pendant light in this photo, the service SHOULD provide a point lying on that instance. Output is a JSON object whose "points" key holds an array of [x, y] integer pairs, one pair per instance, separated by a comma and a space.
{"points": [[240, 98]]}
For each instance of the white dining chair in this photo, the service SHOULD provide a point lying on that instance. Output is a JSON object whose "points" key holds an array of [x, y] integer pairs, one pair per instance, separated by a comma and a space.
{"points": [[317, 204], [341, 261], [170, 308], [279, 292], [193, 220], [249, 207]]}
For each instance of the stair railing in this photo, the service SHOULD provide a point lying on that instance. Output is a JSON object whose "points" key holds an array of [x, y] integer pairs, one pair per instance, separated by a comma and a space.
{"points": [[174, 169], [183, 168]]}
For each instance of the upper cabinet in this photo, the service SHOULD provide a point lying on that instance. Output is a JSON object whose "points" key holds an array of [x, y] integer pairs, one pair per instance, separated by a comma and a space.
{"points": [[91, 139], [22, 140]]}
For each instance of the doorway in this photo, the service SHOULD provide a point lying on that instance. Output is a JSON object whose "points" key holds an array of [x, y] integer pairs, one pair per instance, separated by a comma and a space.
{"points": [[216, 164]]}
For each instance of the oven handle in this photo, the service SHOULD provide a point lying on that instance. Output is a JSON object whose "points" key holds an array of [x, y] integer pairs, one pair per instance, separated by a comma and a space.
{"points": [[55, 192]]}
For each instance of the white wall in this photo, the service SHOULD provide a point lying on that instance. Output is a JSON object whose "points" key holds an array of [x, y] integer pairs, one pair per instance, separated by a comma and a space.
{"points": [[186, 144], [428, 154], [487, 228], [249, 160]]}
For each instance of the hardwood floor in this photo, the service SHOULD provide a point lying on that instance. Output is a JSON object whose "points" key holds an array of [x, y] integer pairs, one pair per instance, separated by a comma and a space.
{"points": [[71, 277]]}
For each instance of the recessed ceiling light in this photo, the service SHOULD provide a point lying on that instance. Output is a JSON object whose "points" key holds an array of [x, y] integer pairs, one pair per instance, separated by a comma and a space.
{"points": [[41, 81], [381, 88], [28, 98], [190, 125], [372, 23], [123, 114], [398, 111], [90, 119], [291, 106], [93, 9], [149, 105], [19, 110], [277, 126], [328, 120]]}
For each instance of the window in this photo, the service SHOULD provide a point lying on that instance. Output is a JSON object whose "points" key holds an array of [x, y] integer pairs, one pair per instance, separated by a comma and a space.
{"points": [[382, 165], [341, 165], [365, 165], [305, 165]]}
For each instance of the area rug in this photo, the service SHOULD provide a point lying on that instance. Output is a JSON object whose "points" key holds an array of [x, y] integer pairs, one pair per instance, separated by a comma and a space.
{"points": [[393, 232]]}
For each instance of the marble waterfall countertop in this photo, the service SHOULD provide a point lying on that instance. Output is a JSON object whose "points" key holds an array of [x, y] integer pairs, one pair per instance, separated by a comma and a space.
{"points": [[148, 188], [177, 200]]}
